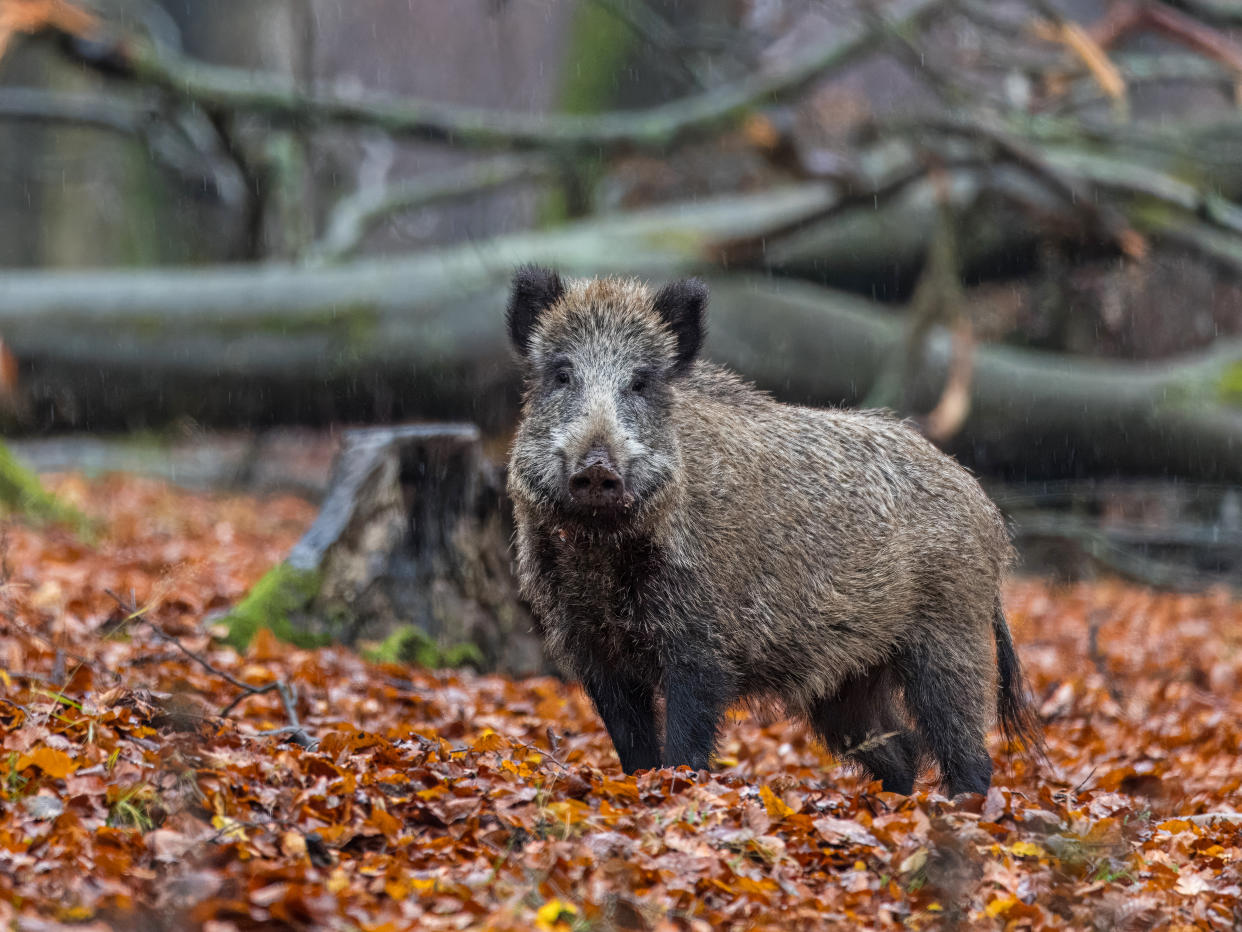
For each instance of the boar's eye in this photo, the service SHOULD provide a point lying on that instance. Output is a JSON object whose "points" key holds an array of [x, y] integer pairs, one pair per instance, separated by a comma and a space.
{"points": [[640, 381], [562, 371]]}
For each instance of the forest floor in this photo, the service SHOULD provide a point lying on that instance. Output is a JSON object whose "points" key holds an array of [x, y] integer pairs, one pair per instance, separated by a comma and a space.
{"points": [[148, 782]]}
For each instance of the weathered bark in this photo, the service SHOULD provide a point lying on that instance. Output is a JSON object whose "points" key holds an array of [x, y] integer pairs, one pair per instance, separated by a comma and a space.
{"points": [[410, 553]]}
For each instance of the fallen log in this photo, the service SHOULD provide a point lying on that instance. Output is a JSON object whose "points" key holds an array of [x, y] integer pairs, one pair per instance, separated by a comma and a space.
{"points": [[424, 339], [386, 339]]}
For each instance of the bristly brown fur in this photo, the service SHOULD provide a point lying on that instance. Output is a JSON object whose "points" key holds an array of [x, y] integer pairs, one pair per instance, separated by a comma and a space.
{"points": [[833, 559]]}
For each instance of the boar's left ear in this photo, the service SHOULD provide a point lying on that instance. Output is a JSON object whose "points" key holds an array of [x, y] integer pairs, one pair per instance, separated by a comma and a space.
{"points": [[534, 291], [681, 304]]}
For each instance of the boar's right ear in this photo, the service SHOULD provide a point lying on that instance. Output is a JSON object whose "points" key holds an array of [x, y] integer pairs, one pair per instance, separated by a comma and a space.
{"points": [[534, 291], [681, 304]]}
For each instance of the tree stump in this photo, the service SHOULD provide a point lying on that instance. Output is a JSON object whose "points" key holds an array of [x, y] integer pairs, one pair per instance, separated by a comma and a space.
{"points": [[408, 558]]}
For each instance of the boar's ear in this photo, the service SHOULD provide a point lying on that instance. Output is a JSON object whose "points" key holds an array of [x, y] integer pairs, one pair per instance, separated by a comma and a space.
{"points": [[534, 291], [681, 305]]}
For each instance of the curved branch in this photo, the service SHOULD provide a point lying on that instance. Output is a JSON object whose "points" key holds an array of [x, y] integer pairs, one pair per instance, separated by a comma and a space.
{"points": [[358, 214], [234, 89]]}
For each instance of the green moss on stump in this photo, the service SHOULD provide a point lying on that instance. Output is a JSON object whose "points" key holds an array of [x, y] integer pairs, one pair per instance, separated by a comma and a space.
{"points": [[23, 494], [282, 592], [409, 644], [285, 591]]}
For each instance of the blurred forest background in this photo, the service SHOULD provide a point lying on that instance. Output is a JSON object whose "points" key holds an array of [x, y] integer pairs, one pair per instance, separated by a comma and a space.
{"points": [[230, 228]]}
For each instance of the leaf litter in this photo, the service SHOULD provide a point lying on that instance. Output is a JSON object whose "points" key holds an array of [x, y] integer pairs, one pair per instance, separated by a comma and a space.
{"points": [[451, 800]]}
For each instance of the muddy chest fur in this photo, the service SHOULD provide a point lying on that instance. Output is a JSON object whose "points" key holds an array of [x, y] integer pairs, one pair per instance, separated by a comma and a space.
{"points": [[681, 534]]}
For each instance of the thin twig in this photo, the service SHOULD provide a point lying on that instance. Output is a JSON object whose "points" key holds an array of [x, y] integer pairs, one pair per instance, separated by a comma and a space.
{"points": [[288, 695], [135, 613], [546, 755], [246, 694], [297, 734], [1085, 780]]}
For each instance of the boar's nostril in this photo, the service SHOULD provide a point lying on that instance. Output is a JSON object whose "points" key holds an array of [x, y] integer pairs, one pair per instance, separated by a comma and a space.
{"points": [[596, 486]]}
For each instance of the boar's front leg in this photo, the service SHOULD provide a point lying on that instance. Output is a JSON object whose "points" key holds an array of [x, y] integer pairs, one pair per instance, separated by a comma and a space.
{"points": [[627, 706], [695, 697]]}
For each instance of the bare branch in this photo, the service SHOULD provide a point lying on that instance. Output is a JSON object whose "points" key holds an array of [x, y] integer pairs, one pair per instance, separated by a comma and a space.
{"points": [[235, 90], [355, 216]]}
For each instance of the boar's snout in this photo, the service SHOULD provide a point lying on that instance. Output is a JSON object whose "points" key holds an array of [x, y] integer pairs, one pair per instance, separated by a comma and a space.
{"points": [[597, 484]]}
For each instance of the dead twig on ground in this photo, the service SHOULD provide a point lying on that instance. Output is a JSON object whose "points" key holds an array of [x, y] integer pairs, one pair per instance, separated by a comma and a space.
{"points": [[288, 694]]}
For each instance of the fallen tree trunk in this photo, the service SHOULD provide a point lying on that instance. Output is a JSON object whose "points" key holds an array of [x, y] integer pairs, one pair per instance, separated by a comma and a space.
{"points": [[422, 337], [1031, 412], [370, 340]]}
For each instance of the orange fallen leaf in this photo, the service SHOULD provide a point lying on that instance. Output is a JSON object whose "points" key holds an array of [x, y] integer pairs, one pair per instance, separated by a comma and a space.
{"points": [[31, 16], [774, 805], [54, 763]]}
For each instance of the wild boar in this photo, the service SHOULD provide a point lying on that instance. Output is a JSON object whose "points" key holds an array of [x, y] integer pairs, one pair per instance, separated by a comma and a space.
{"points": [[681, 534]]}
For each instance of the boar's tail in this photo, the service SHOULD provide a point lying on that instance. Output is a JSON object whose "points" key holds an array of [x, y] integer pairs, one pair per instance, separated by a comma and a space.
{"points": [[1018, 718]]}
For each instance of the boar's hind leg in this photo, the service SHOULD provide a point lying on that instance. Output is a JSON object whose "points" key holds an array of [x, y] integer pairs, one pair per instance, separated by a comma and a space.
{"points": [[861, 722], [627, 706], [948, 694]]}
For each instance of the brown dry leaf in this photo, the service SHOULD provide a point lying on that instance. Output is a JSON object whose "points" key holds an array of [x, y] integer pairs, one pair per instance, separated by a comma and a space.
{"points": [[950, 412], [844, 832]]}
